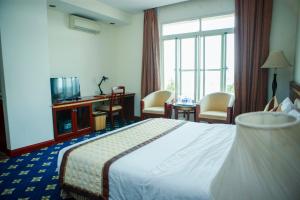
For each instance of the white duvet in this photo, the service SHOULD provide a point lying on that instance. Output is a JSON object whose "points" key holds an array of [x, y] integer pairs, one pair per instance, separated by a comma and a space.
{"points": [[179, 165]]}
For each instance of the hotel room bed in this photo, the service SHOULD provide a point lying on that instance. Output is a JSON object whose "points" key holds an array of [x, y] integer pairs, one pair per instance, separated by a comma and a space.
{"points": [[179, 163]]}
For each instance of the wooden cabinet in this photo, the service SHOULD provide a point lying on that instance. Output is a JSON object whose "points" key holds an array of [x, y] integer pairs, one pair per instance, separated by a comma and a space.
{"points": [[74, 118], [71, 121]]}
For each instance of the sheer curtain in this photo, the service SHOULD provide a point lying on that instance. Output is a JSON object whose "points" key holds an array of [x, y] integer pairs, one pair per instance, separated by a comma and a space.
{"points": [[253, 25], [150, 65]]}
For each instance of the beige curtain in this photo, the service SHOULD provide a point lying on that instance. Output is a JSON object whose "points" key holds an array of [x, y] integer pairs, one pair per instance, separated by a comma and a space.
{"points": [[252, 36], [150, 65]]}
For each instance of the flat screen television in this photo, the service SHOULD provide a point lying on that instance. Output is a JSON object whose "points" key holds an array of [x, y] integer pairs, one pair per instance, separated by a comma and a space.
{"points": [[63, 89]]}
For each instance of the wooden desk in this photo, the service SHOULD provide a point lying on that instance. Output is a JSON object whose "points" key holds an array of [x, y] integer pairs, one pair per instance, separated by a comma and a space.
{"points": [[74, 118]]}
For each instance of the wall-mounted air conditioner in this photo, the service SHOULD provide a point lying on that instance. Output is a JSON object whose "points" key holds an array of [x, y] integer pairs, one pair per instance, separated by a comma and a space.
{"points": [[83, 24]]}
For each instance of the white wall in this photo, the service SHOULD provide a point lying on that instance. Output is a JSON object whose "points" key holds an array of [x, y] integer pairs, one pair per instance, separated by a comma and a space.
{"points": [[85, 55], [128, 52], [27, 101], [297, 65], [283, 37]]}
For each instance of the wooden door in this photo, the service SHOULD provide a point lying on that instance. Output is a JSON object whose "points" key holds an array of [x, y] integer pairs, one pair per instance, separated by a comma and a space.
{"points": [[83, 119], [63, 122]]}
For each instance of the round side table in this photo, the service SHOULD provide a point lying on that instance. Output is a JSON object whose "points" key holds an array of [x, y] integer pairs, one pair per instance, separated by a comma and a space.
{"points": [[185, 109]]}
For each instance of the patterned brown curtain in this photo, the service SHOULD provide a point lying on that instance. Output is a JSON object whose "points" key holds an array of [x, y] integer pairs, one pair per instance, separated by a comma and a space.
{"points": [[150, 68], [252, 36]]}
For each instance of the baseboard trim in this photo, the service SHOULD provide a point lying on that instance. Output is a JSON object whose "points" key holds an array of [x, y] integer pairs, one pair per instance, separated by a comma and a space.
{"points": [[30, 148]]}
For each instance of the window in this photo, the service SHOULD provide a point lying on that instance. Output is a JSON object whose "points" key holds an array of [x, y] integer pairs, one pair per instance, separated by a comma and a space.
{"points": [[181, 27], [198, 56]]}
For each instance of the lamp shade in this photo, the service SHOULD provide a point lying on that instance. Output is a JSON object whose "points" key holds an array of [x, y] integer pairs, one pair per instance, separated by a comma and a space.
{"points": [[276, 60], [264, 161]]}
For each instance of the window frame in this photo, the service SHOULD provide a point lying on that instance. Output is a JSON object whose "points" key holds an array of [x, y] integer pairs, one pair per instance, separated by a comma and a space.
{"points": [[198, 86]]}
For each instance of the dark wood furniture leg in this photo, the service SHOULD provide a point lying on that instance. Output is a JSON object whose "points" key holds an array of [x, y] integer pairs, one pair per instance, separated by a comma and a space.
{"points": [[188, 115], [112, 120], [176, 113]]}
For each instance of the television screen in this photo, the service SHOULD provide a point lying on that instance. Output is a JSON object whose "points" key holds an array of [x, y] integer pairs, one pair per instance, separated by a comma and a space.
{"points": [[64, 89], [71, 88], [57, 93]]}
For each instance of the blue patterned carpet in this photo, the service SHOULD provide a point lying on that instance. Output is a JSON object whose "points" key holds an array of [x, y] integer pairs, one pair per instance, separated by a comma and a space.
{"points": [[33, 175]]}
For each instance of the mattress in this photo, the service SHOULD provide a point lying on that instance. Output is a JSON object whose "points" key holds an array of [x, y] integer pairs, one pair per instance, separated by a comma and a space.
{"points": [[179, 165]]}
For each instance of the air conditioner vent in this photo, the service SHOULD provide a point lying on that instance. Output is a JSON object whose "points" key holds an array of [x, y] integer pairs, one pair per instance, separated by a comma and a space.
{"points": [[84, 24]]}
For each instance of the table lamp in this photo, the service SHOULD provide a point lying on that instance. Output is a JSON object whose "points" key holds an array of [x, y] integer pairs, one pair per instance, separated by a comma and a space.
{"points": [[276, 60], [263, 162], [104, 78]]}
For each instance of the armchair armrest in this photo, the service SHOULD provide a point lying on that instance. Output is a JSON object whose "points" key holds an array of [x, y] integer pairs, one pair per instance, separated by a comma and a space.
{"points": [[229, 118], [148, 100], [197, 112], [204, 104], [168, 106], [142, 105], [230, 106]]}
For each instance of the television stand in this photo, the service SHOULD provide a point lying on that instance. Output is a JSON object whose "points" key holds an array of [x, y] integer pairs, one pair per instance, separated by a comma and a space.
{"points": [[74, 118]]}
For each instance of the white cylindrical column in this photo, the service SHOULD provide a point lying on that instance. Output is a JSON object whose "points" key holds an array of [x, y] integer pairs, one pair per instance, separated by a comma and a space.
{"points": [[264, 161]]}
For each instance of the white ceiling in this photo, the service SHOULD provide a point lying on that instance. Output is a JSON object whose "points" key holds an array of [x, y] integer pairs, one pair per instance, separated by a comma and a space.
{"points": [[134, 6]]}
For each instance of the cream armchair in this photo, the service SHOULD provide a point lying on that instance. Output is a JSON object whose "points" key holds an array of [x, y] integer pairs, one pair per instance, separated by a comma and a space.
{"points": [[157, 104], [216, 108]]}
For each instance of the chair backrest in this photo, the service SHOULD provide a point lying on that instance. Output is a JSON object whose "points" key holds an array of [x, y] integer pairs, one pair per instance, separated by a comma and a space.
{"points": [[117, 96], [159, 98], [218, 101]]}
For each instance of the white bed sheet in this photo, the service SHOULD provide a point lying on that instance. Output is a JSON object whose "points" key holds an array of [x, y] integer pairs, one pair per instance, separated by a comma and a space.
{"points": [[180, 165]]}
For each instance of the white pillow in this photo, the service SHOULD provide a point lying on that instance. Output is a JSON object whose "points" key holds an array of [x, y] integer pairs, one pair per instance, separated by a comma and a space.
{"points": [[287, 105], [295, 113]]}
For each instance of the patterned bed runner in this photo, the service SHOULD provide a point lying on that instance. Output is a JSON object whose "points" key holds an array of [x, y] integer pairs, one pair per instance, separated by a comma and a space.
{"points": [[85, 168]]}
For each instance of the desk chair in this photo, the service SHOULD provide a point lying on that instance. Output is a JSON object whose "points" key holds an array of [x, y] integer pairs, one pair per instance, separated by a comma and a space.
{"points": [[116, 104], [216, 108]]}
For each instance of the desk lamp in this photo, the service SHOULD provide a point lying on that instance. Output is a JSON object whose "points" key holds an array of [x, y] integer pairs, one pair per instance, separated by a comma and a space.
{"points": [[276, 60], [104, 78]]}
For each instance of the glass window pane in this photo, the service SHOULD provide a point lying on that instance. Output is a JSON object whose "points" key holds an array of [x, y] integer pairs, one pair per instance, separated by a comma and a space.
{"points": [[230, 63], [169, 65], [181, 27], [212, 81], [218, 22], [230, 80], [230, 50], [188, 84], [201, 52], [188, 53], [212, 52], [201, 86]]}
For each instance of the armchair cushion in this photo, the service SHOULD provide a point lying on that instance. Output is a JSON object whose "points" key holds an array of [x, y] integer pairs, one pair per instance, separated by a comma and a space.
{"points": [[157, 99], [156, 104], [213, 115], [154, 110], [216, 107], [217, 102]]}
